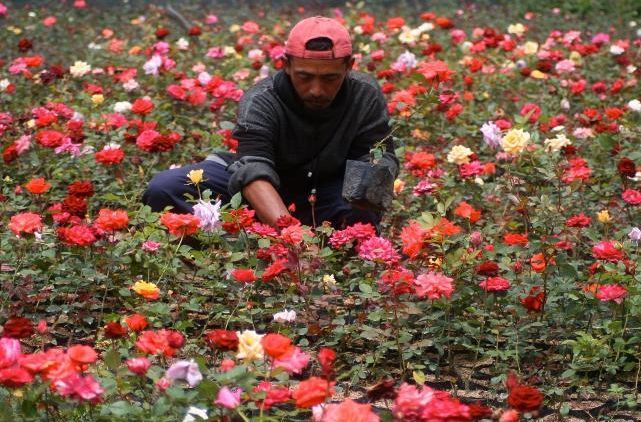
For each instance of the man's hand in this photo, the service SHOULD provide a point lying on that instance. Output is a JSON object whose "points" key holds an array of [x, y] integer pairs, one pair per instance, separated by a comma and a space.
{"points": [[265, 200]]}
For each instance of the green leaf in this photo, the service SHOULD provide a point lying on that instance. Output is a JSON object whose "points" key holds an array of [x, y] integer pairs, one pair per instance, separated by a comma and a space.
{"points": [[365, 288], [419, 377], [112, 359], [236, 200]]}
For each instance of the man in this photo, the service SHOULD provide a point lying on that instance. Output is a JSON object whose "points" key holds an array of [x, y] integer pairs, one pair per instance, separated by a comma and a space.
{"points": [[296, 132]]}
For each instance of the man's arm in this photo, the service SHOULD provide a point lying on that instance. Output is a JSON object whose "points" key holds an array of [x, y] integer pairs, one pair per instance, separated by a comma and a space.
{"points": [[265, 200]]}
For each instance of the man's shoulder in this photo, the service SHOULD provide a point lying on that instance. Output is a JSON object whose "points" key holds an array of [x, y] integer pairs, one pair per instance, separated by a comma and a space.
{"points": [[261, 89], [364, 82]]}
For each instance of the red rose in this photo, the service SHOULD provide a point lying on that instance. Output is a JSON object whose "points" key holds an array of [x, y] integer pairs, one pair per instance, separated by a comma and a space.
{"points": [[626, 167], [495, 284], [162, 33], [522, 397], [142, 106], [525, 398], [76, 205], [15, 376], [276, 345], [515, 239], [115, 330], [50, 138], [24, 45], [631, 196], [488, 268], [244, 275], [326, 358], [78, 235], [109, 156], [607, 251], [175, 339], [579, 220], [18, 327], [83, 188], [222, 339], [534, 301], [194, 31], [312, 391], [10, 153]]}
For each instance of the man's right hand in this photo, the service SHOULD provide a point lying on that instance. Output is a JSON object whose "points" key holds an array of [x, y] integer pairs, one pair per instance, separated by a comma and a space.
{"points": [[265, 200]]}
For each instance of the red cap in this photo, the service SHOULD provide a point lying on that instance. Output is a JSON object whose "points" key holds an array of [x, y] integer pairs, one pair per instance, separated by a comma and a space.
{"points": [[319, 27]]}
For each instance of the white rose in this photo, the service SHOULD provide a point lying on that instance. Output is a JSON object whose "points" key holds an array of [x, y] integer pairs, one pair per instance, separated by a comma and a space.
{"points": [[459, 154], [635, 105], [122, 106]]}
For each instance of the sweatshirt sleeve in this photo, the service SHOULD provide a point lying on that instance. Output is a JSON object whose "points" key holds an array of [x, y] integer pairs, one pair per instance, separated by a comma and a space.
{"points": [[255, 131], [374, 128]]}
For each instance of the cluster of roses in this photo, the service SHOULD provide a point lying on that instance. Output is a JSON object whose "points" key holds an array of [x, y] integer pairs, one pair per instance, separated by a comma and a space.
{"points": [[69, 215], [55, 126], [278, 352], [194, 90], [64, 369], [145, 132]]}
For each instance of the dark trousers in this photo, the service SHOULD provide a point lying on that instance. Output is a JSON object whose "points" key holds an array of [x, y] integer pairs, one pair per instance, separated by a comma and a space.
{"points": [[168, 188]]}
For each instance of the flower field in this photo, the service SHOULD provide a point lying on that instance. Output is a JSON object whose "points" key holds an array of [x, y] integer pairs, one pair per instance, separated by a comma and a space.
{"points": [[504, 282]]}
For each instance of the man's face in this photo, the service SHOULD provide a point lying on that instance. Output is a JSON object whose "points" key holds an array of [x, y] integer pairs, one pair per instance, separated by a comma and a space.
{"points": [[317, 81]]}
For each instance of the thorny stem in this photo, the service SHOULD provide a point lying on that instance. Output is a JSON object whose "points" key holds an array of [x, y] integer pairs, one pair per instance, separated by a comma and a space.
{"points": [[396, 335]]}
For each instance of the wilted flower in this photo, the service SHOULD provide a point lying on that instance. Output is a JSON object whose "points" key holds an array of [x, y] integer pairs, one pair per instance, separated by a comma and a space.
{"points": [[635, 234], [209, 214], [185, 370], [491, 134], [557, 143]]}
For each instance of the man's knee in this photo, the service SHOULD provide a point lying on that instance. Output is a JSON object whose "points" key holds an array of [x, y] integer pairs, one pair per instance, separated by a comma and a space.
{"points": [[162, 191]]}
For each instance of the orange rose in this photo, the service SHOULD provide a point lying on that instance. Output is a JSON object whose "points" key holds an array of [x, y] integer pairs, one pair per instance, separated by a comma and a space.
{"points": [[37, 186], [313, 391]]}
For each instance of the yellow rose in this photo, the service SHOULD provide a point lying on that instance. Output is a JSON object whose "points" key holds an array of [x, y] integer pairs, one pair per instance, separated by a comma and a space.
{"points": [[146, 290], [555, 144], [515, 141], [603, 216], [329, 280], [195, 176], [97, 99], [537, 74], [249, 345], [575, 56], [459, 154], [398, 186]]}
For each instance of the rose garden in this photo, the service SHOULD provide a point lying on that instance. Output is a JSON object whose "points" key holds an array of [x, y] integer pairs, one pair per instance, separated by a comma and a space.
{"points": [[502, 285]]}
